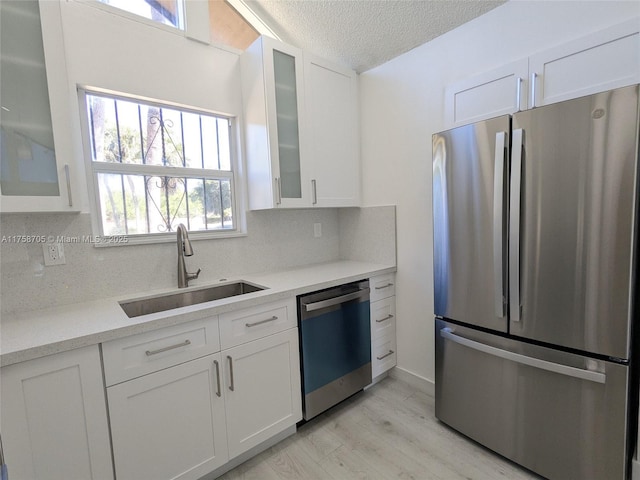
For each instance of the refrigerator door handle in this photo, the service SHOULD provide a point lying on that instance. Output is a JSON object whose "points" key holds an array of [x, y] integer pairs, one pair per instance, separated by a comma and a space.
{"points": [[574, 372], [514, 224], [498, 223]]}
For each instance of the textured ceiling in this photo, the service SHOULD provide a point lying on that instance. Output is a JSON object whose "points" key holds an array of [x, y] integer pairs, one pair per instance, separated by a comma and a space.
{"points": [[364, 33]]}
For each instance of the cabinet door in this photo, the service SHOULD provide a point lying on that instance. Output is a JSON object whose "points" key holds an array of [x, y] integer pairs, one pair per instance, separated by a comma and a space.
{"points": [[490, 94], [54, 418], [332, 133], [285, 112], [36, 141], [273, 95], [169, 424], [602, 61], [262, 384]]}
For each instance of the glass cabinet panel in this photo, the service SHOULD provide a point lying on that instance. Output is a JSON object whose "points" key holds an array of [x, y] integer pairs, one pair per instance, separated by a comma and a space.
{"points": [[28, 162], [287, 123]]}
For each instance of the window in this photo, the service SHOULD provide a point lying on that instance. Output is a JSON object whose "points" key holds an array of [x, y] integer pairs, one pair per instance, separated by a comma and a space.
{"points": [[155, 166], [166, 12]]}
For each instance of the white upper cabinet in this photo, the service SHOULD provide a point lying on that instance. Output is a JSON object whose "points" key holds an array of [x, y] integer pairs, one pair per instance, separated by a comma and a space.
{"points": [[490, 94], [272, 86], [601, 61], [301, 129], [332, 133], [36, 148]]}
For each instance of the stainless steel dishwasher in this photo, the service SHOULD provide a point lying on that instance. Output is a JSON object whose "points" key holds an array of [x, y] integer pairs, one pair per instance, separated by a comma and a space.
{"points": [[335, 343]]}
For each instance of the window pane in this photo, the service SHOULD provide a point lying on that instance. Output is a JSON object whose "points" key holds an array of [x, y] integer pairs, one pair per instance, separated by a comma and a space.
{"points": [[192, 146], [128, 130], [172, 138], [209, 147], [139, 204], [167, 12], [102, 123], [223, 144]]}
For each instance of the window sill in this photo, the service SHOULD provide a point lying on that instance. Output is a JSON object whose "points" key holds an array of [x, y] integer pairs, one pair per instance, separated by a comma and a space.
{"points": [[125, 240]]}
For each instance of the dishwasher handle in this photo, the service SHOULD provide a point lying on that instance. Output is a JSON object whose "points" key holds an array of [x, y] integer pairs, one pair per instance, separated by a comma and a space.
{"points": [[310, 307]]}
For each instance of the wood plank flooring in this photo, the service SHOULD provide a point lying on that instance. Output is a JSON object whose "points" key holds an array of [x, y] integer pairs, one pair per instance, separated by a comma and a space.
{"points": [[388, 431]]}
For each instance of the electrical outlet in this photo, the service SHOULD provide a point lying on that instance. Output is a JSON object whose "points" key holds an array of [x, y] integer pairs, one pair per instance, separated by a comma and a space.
{"points": [[317, 230], [53, 254]]}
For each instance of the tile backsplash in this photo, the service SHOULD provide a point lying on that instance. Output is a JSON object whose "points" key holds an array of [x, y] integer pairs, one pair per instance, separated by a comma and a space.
{"points": [[275, 239]]}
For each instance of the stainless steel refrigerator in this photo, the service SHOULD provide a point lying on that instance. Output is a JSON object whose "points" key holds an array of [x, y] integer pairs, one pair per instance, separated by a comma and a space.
{"points": [[535, 253]]}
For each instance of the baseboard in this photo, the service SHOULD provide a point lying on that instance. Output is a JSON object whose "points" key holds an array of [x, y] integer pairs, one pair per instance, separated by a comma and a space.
{"points": [[420, 383]]}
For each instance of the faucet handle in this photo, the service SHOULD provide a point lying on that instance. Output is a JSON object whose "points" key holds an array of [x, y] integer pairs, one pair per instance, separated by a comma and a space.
{"points": [[193, 276]]}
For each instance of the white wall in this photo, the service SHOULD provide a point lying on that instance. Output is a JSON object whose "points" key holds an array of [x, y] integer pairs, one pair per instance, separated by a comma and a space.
{"points": [[402, 105], [113, 51]]}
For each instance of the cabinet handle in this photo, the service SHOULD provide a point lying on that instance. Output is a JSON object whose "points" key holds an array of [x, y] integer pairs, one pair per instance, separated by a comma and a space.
{"points": [[391, 352], [68, 177], [231, 387], [534, 75], [388, 317], [215, 362], [170, 347], [385, 286], [278, 193], [254, 324], [315, 192], [518, 93]]}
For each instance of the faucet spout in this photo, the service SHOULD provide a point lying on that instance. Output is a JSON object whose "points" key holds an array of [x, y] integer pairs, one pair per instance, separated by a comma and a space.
{"points": [[184, 249]]}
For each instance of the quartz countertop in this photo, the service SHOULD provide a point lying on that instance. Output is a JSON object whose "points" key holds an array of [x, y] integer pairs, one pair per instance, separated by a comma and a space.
{"points": [[37, 333]]}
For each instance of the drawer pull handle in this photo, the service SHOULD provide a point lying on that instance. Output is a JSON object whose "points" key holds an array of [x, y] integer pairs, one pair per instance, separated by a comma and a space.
{"points": [[170, 347], [254, 324], [231, 387], [215, 362], [388, 317], [391, 352], [385, 286]]}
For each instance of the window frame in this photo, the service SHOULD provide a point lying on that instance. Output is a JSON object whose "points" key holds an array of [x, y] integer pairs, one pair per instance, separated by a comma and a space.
{"points": [[93, 169], [182, 30]]}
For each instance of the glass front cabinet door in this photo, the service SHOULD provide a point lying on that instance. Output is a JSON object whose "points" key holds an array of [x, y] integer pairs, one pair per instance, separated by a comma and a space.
{"points": [[35, 143], [273, 90]]}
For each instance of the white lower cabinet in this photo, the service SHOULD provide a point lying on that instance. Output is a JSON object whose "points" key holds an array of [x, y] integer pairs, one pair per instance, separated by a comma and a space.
{"points": [[54, 418], [190, 416], [169, 424], [383, 324], [262, 389]]}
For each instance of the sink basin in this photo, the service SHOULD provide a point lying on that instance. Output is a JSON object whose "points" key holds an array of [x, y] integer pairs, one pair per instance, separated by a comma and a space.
{"points": [[135, 308]]}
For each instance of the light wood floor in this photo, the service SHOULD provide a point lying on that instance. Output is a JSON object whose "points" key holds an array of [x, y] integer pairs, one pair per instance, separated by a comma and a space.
{"points": [[388, 431]]}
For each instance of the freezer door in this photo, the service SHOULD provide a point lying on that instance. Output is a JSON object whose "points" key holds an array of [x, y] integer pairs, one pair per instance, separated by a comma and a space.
{"points": [[561, 415], [573, 194], [470, 171]]}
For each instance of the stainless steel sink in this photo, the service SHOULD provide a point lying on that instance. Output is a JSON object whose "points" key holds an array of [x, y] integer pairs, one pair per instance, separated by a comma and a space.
{"points": [[135, 308]]}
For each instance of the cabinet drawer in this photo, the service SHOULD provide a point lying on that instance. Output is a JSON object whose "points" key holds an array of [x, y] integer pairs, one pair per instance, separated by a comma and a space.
{"points": [[383, 317], [257, 322], [383, 355], [382, 286], [138, 355]]}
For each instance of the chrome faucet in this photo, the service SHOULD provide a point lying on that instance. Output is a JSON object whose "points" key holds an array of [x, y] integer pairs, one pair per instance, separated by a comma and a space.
{"points": [[184, 250]]}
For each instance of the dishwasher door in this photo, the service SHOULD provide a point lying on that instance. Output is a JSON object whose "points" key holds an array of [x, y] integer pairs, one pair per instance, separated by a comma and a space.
{"points": [[335, 342]]}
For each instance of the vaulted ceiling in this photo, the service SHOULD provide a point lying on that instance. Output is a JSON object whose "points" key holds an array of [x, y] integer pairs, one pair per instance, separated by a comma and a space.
{"points": [[364, 33]]}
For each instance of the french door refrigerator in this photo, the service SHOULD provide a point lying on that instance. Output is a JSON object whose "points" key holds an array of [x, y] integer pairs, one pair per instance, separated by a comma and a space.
{"points": [[535, 253]]}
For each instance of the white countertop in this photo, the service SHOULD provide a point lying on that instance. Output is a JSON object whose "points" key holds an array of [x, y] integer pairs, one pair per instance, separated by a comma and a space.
{"points": [[36, 333]]}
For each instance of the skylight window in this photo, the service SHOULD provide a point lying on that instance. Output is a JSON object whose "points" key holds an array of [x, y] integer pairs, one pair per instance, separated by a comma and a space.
{"points": [[166, 12]]}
